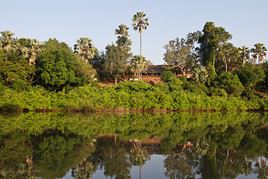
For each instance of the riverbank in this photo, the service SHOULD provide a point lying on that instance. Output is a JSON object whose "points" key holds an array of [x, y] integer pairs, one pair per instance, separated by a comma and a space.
{"points": [[124, 97]]}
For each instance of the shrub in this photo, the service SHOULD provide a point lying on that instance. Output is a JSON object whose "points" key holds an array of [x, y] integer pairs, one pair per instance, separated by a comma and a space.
{"points": [[195, 87], [172, 81], [229, 82], [250, 75]]}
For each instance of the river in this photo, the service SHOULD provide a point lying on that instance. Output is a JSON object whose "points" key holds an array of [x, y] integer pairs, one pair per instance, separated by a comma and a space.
{"points": [[141, 145]]}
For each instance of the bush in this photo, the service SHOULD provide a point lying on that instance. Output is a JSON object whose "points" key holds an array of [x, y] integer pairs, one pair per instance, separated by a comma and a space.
{"points": [[195, 87], [218, 92], [172, 81], [229, 82], [133, 86], [250, 75]]}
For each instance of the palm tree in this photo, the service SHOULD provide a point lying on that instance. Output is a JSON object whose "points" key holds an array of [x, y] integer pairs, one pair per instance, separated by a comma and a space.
{"points": [[123, 41], [84, 49], [31, 51], [7, 41], [244, 53], [228, 54], [122, 30], [140, 23], [259, 52], [138, 65]]}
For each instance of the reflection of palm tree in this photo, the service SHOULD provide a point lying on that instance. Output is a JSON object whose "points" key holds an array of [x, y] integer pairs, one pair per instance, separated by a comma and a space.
{"points": [[138, 156], [262, 168], [84, 169], [29, 164]]}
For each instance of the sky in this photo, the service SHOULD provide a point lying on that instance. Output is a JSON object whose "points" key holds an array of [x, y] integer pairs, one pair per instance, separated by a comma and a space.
{"points": [[68, 20]]}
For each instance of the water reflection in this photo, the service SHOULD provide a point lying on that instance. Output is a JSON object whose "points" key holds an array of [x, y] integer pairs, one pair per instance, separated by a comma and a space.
{"points": [[134, 146]]}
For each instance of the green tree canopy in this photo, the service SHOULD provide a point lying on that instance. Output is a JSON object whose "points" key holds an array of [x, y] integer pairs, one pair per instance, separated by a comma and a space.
{"points": [[85, 49], [250, 75], [59, 67], [116, 57], [259, 52], [15, 71], [138, 65], [140, 23], [180, 52], [210, 41]]}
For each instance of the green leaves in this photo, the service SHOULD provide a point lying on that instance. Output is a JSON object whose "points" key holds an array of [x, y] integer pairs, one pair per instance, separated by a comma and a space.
{"points": [[140, 22], [59, 67]]}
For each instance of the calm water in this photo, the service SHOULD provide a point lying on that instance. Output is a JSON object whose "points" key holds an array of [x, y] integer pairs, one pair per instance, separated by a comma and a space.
{"points": [[174, 145]]}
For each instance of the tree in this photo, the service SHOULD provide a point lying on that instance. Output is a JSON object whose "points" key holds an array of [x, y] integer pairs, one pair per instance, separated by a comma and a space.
{"points": [[179, 52], [123, 43], [14, 71], [210, 41], [7, 41], [259, 52], [123, 40], [229, 55], [230, 83], [116, 57], [250, 75], [138, 65], [244, 54], [140, 23], [58, 67], [30, 50], [85, 49], [112, 64]]}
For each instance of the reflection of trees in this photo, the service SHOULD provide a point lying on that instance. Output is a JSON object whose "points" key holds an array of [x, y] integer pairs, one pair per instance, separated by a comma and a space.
{"points": [[224, 147], [219, 153], [14, 150], [112, 156], [84, 169], [261, 167], [178, 166], [55, 153], [138, 156]]}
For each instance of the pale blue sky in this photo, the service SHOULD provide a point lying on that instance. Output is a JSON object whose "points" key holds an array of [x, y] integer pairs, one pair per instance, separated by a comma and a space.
{"points": [[67, 20]]}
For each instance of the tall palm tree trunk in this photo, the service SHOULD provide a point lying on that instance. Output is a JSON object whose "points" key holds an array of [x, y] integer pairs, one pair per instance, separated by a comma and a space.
{"points": [[140, 44]]}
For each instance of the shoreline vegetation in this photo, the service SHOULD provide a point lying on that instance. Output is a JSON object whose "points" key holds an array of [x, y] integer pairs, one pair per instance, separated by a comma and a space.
{"points": [[124, 97], [203, 72]]}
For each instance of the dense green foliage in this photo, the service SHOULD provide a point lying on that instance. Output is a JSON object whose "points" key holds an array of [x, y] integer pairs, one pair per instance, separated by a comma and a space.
{"points": [[250, 75], [214, 74], [116, 56], [230, 83], [59, 67], [127, 95]]}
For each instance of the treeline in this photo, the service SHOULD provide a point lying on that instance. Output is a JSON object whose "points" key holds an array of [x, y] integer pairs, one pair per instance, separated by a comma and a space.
{"points": [[51, 75], [55, 66]]}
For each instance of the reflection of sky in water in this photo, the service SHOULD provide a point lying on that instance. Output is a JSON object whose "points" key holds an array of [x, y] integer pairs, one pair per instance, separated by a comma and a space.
{"points": [[247, 177], [152, 169]]}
